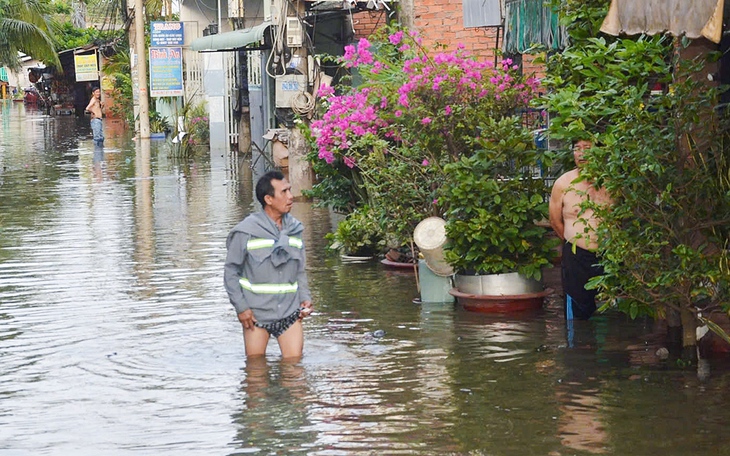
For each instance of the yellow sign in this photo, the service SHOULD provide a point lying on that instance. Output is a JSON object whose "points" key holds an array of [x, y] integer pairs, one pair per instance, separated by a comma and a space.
{"points": [[86, 68]]}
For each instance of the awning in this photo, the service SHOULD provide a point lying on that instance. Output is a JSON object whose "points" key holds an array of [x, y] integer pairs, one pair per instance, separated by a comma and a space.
{"points": [[693, 18], [230, 41]]}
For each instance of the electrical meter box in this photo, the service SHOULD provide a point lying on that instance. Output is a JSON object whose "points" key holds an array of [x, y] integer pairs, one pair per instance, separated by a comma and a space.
{"points": [[293, 32], [288, 87]]}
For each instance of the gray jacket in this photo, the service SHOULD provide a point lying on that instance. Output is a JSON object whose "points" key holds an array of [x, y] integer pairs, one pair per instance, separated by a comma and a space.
{"points": [[264, 268]]}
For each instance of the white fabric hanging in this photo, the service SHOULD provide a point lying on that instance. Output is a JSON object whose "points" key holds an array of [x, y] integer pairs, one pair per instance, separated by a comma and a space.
{"points": [[693, 18]]}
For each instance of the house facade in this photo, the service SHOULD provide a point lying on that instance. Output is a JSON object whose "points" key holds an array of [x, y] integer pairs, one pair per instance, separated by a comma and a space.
{"points": [[256, 64]]}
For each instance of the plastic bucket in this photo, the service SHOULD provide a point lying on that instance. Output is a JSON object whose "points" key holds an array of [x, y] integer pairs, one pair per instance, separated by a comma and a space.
{"points": [[433, 288], [430, 237]]}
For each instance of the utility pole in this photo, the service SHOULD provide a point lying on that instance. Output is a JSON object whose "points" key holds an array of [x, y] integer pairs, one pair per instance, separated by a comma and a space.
{"points": [[141, 51]]}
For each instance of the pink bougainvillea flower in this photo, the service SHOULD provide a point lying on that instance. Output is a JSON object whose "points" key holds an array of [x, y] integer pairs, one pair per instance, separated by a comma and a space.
{"points": [[327, 156], [396, 38], [325, 91], [424, 162], [426, 120], [349, 161]]}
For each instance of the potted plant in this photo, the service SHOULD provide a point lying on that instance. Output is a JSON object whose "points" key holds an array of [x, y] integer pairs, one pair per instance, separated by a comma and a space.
{"points": [[357, 237], [159, 126], [496, 198]]}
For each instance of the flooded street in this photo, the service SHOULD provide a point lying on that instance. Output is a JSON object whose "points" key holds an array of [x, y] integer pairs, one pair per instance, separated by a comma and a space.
{"points": [[117, 337]]}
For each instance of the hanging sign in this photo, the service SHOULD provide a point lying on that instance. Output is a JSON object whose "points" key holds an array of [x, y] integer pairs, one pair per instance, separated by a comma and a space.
{"points": [[166, 34], [166, 72], [87, 68]]}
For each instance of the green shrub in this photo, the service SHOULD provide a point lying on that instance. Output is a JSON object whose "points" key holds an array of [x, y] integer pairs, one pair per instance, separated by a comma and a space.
{"points": [[495, 199], [359, 234]]}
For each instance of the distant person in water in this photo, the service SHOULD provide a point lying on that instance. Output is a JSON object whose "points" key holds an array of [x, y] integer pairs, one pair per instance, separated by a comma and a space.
{"points": [[95, 107], [576, 226]]}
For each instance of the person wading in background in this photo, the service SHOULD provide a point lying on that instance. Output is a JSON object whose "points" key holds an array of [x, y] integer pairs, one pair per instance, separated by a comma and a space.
{"points": [[576, 226], [94, 107]]}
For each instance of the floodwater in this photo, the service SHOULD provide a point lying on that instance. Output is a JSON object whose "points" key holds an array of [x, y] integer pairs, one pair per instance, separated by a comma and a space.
{"points": [[116, 336]]}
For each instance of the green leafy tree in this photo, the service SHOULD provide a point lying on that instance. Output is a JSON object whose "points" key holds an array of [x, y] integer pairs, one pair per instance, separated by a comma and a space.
{"points": [[25, 26], [69, 37], [118, 65], [662, 153]]}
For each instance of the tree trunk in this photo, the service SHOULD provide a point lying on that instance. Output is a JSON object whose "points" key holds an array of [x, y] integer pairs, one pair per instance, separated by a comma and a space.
{"points": [[689, 335], [406, 13]]}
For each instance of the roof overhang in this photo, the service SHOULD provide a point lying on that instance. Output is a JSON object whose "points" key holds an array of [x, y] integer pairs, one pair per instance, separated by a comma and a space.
{"points": [[231, 41]]}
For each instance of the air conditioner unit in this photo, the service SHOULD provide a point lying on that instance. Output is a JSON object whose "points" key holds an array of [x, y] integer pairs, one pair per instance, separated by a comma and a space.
{"points": [[293, 32]]}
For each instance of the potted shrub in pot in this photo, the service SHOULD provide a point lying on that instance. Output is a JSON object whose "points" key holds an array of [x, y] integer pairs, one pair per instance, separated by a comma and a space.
{"points": [[496, 198], [357, 237], [159, 126]]}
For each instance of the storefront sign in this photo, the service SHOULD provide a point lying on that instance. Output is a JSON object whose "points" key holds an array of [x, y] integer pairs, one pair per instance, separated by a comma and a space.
{"points": [[166, 34], [86, 67], [166, 72]]}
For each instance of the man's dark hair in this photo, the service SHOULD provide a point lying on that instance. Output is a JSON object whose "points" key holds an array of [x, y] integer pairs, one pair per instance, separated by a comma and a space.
{"points": [[264, 187]]}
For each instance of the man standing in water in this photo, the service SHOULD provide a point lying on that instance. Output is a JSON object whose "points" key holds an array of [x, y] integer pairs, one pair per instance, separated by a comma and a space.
{"points": [[264, 272], [94, 107], [576, 226]]}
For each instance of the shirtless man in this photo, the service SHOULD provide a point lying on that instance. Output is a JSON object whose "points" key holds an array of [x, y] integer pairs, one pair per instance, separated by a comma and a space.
{"points": [[577, 228], [94, 107]]}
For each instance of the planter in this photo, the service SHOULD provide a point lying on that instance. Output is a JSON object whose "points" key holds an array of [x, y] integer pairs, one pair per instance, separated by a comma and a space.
{"points": [[356, 258], [500, 304], [498, 293], [496, 284], [398, 265]]}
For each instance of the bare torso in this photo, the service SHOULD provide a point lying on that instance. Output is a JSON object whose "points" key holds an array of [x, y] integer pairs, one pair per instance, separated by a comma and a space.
{"points": [[569, 220], [94, 108]]}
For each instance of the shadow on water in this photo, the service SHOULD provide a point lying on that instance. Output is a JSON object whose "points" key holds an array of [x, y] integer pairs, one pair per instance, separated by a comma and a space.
{"points": [[116, 336]]}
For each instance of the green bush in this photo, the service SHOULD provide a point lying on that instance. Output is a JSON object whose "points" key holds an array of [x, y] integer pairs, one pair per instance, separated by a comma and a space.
{"points": [[359, 234], [197, 125], [662, 153], [496, 198]]}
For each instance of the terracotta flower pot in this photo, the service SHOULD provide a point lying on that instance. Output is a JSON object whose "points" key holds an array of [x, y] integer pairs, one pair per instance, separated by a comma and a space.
{"points": [[501, 303], [498, 293]]}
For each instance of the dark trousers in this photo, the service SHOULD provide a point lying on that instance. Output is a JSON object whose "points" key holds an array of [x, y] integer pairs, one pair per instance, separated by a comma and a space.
{"points": [[577, 268]]}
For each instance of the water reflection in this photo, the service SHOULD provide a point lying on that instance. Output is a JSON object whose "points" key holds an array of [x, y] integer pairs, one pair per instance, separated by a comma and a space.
{"points": [[581, 424], [273, 407], [581, 418]]}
